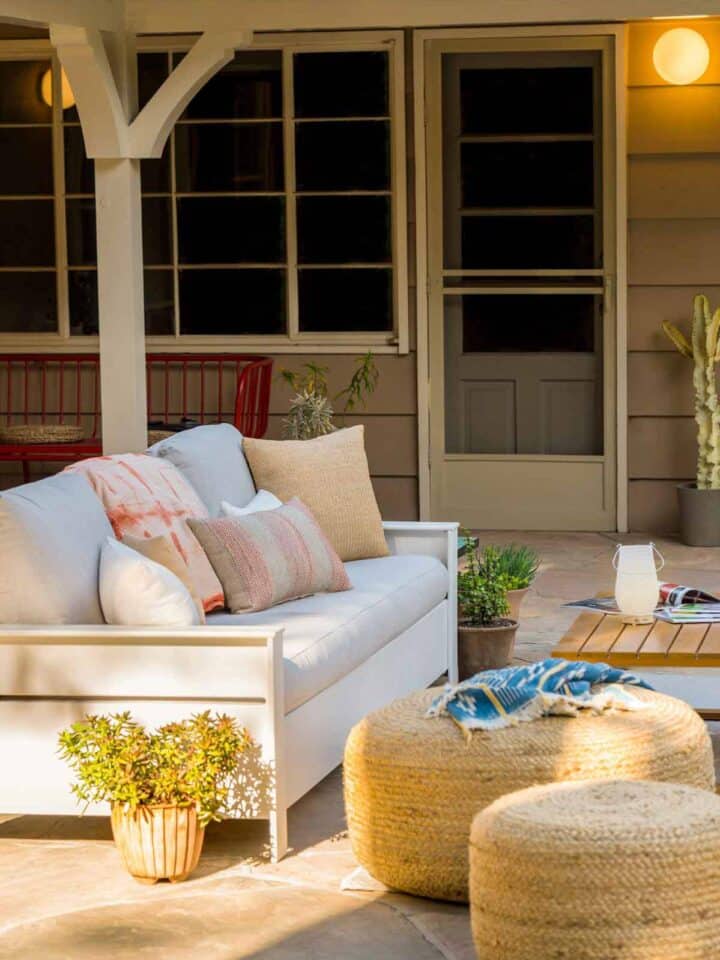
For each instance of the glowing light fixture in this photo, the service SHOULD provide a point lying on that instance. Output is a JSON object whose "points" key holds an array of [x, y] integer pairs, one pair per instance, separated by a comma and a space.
{"points": [[636, 583], [681, 55], [46, 90]]}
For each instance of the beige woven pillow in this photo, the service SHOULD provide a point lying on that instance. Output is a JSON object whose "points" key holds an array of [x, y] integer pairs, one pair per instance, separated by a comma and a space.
{"points": [[331, 476]]}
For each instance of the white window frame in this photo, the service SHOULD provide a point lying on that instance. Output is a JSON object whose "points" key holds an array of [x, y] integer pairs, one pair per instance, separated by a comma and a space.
{"points": [[391, 342]]}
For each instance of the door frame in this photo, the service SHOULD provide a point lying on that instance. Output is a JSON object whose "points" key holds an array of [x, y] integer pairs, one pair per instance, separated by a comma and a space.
{"points": [[617, 35]]}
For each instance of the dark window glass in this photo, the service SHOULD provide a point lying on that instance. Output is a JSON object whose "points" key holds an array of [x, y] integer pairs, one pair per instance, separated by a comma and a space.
{"points": [[345, 300], [157, 231], [20, 92], [81, 232], [83, 302], [527, 174], [26, 161], [155, 174], [348, 155], [152, 71], [506, 243], [27, 233], [344, 229], [216, 158], [29, 302], [341, 84], [79, 171], [250, 86], [531, 324], [232, 302], [231, 229], [527, 100], [159, 302]]}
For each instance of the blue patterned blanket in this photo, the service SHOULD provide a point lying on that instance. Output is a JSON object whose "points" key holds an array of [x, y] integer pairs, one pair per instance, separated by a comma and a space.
{"points": [[501, 698]]}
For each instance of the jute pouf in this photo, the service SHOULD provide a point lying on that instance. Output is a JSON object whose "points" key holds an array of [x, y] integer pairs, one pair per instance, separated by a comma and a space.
{"points": [[618, 870], [413, 785]]}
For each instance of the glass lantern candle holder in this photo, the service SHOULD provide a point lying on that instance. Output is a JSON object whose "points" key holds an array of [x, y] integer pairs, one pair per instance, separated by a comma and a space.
{"points": [[637, 589]]}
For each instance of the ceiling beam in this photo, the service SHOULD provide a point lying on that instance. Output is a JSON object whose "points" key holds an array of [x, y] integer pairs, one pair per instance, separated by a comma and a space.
{"points": [[95, 14], [181, 16]]}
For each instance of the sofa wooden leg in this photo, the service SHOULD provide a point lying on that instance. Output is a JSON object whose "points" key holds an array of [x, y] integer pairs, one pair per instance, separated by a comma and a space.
{"points": [[278, 835]]}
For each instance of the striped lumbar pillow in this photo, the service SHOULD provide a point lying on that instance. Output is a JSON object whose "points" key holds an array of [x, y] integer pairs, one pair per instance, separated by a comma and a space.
{"points": [[269, 557]]}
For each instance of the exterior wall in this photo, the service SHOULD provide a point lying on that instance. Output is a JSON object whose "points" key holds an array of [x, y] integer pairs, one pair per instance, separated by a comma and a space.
{"points": [[674, 253]]}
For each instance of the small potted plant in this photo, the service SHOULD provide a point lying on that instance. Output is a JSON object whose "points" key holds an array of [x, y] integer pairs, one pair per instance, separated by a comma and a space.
{"points": [[163, 787], [518, 565], [486, 633]]}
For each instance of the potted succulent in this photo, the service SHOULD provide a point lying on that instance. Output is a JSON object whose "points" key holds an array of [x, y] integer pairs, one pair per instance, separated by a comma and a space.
{"points": [[699, 501], [486, 633], [518, 565], [164, 787]]}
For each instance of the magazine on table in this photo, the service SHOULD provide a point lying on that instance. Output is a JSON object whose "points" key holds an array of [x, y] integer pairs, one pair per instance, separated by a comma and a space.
{"points": [[676, 604]]}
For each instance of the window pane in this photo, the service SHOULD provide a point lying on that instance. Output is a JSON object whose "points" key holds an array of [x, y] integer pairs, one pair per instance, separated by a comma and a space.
{"points": [[83, 302], [538, 324], [350, 155], [249, 86], [155, 174], [345, 300], [27, 233], [20, 97], [159, 303], [152, 71], [231, 229], [232, 302], [341, 84], [79, 171], [214, 158], [527, 100], [507, 243], [26, 161], [29, 302], [527, 174], [81, 235], [157, 231], [344, 230]]}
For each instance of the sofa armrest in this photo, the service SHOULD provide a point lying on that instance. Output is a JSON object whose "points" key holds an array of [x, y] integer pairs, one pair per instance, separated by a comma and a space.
{"points": [[430, 538]]}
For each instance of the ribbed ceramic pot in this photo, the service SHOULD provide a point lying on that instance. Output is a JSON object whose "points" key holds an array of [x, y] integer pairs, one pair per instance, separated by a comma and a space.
{"points": [[159, 842], [699, 515], [485, 648], [515, 599]]}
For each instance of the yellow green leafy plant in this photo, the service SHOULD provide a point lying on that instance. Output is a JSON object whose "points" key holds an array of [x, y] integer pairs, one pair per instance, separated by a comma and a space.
{"points": [[704, 351]]}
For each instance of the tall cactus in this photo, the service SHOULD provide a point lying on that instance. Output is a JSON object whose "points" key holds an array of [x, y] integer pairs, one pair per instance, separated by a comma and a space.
{"points": [[704, 350]]}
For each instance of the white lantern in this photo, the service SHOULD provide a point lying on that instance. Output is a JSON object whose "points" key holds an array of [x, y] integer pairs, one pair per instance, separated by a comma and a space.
{"points": [[637, 590], [681, 56]]}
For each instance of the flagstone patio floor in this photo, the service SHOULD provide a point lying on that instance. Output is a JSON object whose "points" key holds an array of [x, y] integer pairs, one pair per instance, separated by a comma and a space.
{"points": [[64, 894]]}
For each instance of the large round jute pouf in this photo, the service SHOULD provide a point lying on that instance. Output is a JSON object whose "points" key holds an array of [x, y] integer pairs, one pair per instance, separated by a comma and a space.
{"points": [[413, 784], [616, 870]]}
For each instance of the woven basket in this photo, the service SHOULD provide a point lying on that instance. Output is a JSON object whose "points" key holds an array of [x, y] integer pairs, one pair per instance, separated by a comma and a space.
{"points": [[42, 433], [413, 785], [597, 871], [155, 436]]}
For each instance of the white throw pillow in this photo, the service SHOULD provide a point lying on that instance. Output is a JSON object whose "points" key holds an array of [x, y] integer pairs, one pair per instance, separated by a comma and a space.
{"points": [[263, 500], [137, 592]]}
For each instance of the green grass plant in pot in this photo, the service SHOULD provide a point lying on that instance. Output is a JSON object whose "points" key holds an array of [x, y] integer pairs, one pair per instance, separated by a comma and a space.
{"points": [[486, 632], [699, 501], [164, 787], [518, 566]]}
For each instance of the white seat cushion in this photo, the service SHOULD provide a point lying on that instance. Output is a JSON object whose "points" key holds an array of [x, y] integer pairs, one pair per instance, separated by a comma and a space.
{"points": [[329, 634]]}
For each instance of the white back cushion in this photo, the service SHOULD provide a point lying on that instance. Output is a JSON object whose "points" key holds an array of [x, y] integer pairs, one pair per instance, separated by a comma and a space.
{"points": [[137, 592]]}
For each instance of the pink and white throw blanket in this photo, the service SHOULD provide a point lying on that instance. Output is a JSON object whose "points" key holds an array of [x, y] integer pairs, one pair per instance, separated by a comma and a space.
{"points": [[147, 497]]}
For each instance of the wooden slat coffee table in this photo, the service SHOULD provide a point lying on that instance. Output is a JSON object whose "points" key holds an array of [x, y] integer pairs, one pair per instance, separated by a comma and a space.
{"points": [[683, 660]]}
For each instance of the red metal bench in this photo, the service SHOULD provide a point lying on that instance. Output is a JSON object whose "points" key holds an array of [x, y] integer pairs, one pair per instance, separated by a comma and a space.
{"points": [[64, 388]]}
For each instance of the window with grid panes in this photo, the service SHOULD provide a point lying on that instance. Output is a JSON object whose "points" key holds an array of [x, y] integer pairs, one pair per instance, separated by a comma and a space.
{"points": [[270, 212]]}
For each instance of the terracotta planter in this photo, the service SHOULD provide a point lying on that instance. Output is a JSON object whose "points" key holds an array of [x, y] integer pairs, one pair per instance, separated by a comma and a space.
{"points": [[485, 648], [160, 842], [515, 599], [699, 515]]}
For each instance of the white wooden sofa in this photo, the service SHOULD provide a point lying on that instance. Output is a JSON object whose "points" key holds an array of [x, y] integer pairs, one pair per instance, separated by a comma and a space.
{"points": [[298, 676]]}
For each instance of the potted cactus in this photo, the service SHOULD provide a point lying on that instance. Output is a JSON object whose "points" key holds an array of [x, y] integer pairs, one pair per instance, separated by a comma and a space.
{"points": [[486, 633], [699, 501]]}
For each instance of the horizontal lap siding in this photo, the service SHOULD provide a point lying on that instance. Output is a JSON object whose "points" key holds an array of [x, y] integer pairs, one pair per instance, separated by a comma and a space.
{"points": [[674, 253]]}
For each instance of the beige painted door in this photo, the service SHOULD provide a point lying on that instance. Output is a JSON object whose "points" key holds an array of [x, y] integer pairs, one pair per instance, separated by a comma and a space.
{"points": [[521, 266]]}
